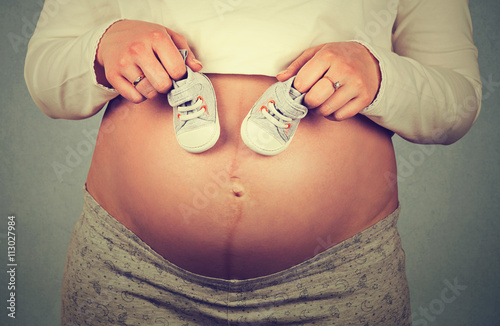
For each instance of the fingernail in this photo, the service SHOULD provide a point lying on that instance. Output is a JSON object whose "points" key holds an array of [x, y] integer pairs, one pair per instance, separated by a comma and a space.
{"points": [[197, 61], [282, 72]]}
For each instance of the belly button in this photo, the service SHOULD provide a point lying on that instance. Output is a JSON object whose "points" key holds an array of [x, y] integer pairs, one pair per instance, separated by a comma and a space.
{"points": [[237, 190]]}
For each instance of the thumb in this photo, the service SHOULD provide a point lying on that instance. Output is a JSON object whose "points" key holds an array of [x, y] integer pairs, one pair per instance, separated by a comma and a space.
{"points": [[192, 62], [297, 64], [181, 43]]}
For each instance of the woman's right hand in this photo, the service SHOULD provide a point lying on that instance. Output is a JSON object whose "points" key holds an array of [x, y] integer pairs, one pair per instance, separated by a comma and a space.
{"points": [[130, 49]]}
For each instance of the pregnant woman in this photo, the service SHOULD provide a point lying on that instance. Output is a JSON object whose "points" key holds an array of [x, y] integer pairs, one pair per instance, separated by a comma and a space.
{"points": [[229, 236]]}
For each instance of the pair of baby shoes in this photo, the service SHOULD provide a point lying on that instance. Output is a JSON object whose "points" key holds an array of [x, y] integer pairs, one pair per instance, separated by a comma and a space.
{"points": [[267, 129]]}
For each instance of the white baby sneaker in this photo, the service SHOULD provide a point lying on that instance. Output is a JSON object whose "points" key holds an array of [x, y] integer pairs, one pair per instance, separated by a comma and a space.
{"points": [[194, 106], [270, 125]]}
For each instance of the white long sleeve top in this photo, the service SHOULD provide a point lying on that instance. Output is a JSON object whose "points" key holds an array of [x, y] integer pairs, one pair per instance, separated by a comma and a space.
{"points": [[430, 90]]}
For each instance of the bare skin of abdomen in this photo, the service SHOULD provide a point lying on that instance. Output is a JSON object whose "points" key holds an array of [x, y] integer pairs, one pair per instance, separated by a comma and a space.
{"points": [[229, 212]]}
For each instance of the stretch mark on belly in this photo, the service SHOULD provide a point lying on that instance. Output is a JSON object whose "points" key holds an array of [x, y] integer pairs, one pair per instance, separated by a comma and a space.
{"points": [[238, 191]]}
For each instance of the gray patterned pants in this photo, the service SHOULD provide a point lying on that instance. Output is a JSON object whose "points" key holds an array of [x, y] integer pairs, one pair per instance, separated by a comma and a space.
{"points": [[113, 278]]}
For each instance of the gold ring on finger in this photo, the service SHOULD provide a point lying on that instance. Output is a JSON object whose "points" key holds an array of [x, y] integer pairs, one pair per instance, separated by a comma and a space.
{"points": [[138, 80], [336, 84]]}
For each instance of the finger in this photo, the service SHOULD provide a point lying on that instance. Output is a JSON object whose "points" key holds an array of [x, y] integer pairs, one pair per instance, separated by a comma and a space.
{"points": [[349, 110], [126, 89], [146, 89], [169, 56], [181, 43], [155, 73], [132, 77], [298, 63], [319, 93], [192, 62], [312, 71], [340, 97]]}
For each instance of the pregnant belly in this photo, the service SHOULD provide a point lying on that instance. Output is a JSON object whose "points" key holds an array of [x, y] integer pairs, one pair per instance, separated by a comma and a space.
{"points": [[229, 212]]}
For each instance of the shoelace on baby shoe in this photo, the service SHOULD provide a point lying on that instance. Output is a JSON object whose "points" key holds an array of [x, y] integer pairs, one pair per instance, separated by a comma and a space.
{"points": [[274, 112], [197, 109]]}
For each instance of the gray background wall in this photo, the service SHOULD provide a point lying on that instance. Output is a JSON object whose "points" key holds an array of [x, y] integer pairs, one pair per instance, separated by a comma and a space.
{"points": [[450, 195]]}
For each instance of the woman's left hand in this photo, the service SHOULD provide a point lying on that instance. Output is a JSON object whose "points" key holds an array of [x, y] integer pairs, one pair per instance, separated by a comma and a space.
{"points": [[349, 64]]}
